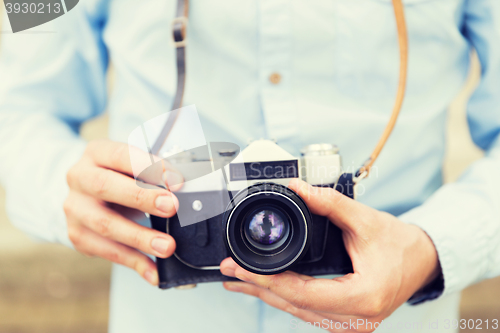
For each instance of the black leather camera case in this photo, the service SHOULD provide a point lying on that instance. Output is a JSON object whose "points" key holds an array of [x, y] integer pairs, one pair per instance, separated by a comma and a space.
{"points": [[200, 247]]}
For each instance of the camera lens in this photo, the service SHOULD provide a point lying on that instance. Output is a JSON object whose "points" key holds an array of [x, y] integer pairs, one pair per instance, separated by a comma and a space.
{"points": [[267, 228]]}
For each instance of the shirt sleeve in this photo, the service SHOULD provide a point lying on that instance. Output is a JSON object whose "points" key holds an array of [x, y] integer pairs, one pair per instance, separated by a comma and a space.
{"points": [[463, 218], [52, 80]]}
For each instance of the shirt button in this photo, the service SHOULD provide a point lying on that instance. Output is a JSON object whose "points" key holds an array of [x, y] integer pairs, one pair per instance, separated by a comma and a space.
{"points": [[275, 78]]}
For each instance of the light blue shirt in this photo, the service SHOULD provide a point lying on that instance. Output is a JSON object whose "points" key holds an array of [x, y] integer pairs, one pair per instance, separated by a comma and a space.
{"points": [[338, 62]]}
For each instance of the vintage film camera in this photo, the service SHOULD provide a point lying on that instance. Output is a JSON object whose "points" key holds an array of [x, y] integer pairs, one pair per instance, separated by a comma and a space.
{"points": [[251, 215], [264, 226]]}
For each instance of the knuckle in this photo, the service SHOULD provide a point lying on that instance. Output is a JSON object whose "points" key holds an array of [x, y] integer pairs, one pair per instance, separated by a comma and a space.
{"points": [[118, 154], [334, 195], [289, 308], [71, 176], [300, 302], [258, 292], [100, 183], [102, 225], [115, 256], [140, 197], [374, 307], [85, 251], [138, 238], [137, 266], [68, 207], [297, 298], [75, 236]]}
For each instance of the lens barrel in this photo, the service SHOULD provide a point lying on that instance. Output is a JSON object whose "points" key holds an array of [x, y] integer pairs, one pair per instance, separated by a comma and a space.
{"points": [[267, 228]]}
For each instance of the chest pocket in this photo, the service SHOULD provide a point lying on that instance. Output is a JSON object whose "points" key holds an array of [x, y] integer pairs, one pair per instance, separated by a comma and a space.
{"points": [[367, 50]]}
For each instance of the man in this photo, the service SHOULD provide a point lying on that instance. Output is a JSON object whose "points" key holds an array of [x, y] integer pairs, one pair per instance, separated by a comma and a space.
{"points": [[301, 72]]}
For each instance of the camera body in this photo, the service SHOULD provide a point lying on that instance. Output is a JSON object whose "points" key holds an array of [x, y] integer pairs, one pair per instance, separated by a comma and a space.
{"points": [[251, 215]]}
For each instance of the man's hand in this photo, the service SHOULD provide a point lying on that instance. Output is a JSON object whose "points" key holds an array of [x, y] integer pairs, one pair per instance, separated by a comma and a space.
{"points": [[391, 260], [102, 192]]}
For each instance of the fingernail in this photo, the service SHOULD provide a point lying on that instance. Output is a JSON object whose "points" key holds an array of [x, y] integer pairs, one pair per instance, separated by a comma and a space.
{"points": [[151, 277], [164, 203], [228, 271], [160, 245], [232, 286]]}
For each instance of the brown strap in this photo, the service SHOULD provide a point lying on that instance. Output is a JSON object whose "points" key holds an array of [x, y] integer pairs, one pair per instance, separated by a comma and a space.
{"points": [[403, 69], [179, 27]]}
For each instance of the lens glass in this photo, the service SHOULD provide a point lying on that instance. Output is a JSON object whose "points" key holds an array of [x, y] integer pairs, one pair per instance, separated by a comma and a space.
{"points": [[266, 228]]}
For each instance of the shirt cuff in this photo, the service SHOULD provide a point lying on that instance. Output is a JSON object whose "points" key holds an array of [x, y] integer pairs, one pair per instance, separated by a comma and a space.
{"points": [[458, 226], [431, 291]]}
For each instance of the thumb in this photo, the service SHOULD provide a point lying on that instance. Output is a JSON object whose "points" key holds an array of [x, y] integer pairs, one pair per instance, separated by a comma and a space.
{"points": [[343, 211]]}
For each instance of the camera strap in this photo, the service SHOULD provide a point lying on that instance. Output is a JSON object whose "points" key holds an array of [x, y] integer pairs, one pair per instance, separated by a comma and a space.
{"points": [[179, 28], [364, 171], [179, 31]]}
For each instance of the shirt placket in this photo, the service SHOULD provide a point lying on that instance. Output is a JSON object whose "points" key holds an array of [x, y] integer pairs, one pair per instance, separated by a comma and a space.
{"points": [[275, 74]]}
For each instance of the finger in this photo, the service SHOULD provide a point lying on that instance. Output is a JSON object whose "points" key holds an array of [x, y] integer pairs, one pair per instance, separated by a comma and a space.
{"points": [[341, 323], [135, 162], [109, 224], [251, 289], [111, 186], [345, 212], [327, 322], [341, 296], [116, 155], [228, 266], [90, 243]]}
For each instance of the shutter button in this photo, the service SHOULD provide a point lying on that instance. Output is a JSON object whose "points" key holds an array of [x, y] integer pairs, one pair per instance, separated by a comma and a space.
{"points": [[197, 205]]}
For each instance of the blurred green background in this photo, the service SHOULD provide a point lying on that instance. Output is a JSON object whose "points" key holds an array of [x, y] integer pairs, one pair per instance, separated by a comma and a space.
{"points": [[47, 288]]}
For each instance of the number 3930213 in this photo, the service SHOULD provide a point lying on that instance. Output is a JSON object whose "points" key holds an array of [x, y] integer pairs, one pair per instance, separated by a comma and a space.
{"points": [[26, 14], [472, 324]]}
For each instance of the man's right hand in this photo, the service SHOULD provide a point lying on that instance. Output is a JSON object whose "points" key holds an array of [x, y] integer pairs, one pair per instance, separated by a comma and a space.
{"points": [[102, 189]]}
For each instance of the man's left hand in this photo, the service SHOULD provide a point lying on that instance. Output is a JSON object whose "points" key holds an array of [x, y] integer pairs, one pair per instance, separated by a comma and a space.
{"points": [[391, 261]]}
